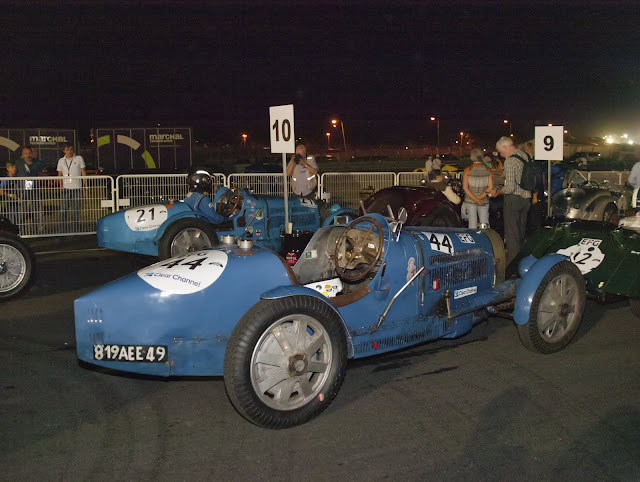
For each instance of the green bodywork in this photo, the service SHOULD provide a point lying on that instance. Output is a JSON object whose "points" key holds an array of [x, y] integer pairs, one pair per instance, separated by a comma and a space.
{"points": [[613, 268]]}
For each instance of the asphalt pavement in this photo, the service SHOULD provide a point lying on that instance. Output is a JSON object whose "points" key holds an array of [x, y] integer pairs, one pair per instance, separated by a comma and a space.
{"points": [[481, 407]]}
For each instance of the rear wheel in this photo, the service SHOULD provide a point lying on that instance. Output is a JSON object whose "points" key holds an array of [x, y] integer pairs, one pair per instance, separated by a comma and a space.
{"points": [[185, 236], [285, 361], [17, 266], [556, 310]]}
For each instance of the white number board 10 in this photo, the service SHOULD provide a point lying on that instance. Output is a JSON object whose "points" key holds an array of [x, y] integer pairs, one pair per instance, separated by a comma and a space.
{"points": [[549, 143], [283, 139]]}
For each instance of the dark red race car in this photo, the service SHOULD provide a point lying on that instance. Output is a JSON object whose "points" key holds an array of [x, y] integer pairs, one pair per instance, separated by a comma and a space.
{"points": [[425, 206]]}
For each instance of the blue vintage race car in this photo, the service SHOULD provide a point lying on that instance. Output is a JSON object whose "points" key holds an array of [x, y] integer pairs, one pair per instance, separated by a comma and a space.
{"points": [[281, 336], [170, 229]]}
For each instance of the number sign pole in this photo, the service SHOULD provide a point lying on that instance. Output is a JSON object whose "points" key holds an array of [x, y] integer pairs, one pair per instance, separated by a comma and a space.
{"points": [[549, 146], [283, 141]]}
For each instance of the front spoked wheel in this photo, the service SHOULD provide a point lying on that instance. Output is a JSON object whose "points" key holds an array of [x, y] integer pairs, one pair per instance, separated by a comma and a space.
{"points": [[285, 361], [556, 310], [17, 266]]}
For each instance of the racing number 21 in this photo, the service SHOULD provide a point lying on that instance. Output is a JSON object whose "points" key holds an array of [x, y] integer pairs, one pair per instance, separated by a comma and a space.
{"points": [[142, 212], [286, 130]]}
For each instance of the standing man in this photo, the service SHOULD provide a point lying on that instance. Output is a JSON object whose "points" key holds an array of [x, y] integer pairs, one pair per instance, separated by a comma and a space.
{"points": [[70, 167], [29, 166], [303, 170], [516, 199]]}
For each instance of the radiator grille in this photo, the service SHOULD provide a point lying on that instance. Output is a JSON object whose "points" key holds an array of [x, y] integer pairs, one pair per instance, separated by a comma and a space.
{"points": [[461, 272], [448, 258]]}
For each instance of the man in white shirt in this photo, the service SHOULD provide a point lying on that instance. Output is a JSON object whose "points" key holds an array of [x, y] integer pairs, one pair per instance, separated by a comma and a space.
{"points": [[70, 168]]}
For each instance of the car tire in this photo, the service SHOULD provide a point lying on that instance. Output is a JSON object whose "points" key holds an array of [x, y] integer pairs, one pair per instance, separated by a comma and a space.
{"points": [[17, 266], [556, 310], [272, 386], [186, 235], [609, 210], [634, 303]]}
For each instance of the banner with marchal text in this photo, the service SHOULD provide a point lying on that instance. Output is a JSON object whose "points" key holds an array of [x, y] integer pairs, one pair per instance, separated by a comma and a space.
{"points": [[47, 143], [125, 149]]}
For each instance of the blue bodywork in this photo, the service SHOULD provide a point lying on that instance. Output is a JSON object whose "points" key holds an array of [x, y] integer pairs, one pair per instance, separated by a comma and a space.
{"points": [[259, 218], [429, 283]]}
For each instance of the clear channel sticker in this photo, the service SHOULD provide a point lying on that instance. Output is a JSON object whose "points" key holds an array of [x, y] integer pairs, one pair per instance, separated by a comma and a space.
{"points": [[186, 274], [145, 218]]}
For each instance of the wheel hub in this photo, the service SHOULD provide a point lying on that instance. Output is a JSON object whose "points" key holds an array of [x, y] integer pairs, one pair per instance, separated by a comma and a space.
{"points": [[297, 365], [564, 310], [3, 266]]}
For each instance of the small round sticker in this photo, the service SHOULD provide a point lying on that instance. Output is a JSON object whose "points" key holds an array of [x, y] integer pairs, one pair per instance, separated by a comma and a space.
{"points": [[186, 274], [146, 218], [586, 255]]}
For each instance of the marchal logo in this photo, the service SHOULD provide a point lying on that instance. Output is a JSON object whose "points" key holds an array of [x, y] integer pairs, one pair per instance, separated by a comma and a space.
{"points": [[165, 137], [46, 140]]}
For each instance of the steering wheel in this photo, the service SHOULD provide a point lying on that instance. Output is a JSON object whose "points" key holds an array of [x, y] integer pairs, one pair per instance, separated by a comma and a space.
{"points": [[357, 250], [228, 202]]}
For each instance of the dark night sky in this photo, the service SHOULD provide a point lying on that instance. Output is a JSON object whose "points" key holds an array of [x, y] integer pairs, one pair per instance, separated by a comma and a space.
{"points": [[383, 70]]}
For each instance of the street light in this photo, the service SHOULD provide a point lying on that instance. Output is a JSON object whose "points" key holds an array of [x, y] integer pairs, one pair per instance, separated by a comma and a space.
{"points": [[461, 134], [328, 140], [437, 121], [244, 140], [334, 123], [507, 121]]}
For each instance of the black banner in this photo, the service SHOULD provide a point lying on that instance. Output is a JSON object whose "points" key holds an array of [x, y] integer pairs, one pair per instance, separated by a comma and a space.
{"points": [[48, 144], [166, 148]]}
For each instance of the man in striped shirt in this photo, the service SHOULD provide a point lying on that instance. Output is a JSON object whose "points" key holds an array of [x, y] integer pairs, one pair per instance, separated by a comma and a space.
{"points": [[516, 199]]}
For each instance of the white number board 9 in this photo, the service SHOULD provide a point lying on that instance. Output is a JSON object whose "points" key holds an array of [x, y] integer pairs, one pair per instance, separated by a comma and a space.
{"points": [[549, 143], [283, 139]]}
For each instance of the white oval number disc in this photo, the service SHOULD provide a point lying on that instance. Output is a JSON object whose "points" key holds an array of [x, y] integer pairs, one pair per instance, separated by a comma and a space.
{"points": [[145, 218], [186, 274], [586, 255]]}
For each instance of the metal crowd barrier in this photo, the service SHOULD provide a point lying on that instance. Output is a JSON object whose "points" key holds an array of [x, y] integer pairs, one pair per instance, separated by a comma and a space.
{"points": [[41, 206], [349, 188], [267, 184]]}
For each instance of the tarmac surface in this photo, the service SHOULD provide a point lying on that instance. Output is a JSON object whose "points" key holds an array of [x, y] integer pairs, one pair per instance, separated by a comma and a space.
{"points": [[481, 407]]}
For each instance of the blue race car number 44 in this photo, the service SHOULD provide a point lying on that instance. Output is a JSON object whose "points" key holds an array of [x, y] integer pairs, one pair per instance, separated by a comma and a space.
{"points": [[131, 353]]}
